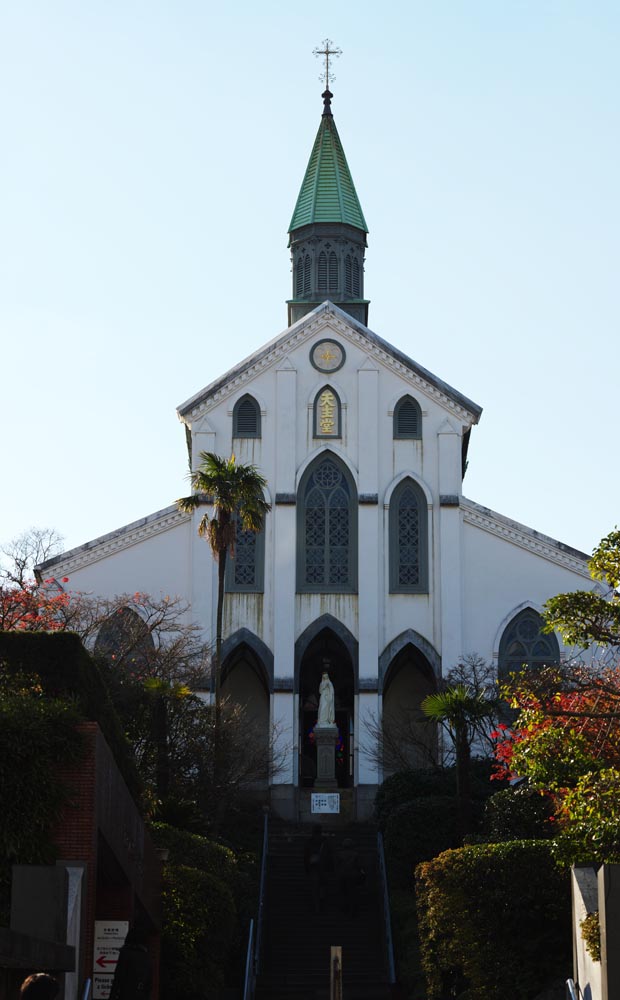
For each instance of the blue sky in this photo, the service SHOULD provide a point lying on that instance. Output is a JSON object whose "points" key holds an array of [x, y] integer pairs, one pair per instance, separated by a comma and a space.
{"points": [[152, 154]]}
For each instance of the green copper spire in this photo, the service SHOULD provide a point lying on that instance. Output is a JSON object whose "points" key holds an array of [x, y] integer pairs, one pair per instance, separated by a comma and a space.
{"points": [[328, 193], [328, 229]]}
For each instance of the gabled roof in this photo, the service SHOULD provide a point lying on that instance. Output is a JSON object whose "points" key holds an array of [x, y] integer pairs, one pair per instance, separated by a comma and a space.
{"points": [[307, 325], [328, 193]]}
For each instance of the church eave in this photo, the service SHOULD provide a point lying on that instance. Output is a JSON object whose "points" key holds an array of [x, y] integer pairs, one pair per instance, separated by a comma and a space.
{"points": [[276, 347]]}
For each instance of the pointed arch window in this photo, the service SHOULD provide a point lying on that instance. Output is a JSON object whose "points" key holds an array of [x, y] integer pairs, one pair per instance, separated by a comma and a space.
{"points": [[327, 529], [407, 418], [523, 644], [356, 278], [299, 277], [333, 272], [307, 274], [322, 271], [348, 275], [327, 414], [408, 531], [124, 639], [245, 572], [246, 418]]}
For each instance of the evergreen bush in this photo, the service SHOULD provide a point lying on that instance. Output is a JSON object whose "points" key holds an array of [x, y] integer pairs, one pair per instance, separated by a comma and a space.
{"points": [[417, 831], [198, 933], [495, 920], [518, 814]]}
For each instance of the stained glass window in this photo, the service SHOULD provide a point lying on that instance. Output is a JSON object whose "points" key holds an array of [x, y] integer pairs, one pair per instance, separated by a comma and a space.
{"points": [[244, 572], [326, 551], [524, 644], [408, 539]]}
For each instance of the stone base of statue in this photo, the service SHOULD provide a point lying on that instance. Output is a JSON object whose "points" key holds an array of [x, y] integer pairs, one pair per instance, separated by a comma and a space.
{"points": [[326, 740]]}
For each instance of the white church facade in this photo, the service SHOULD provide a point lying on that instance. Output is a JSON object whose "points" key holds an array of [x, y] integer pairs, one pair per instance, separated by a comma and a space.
{"points": [[371, 557]]}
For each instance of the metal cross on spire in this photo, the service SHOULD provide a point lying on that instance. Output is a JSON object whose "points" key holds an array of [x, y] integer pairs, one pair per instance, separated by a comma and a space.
{"points": [[326, 51]]}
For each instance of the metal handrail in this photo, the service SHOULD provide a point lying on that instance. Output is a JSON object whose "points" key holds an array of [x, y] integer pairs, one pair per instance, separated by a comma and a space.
{"points": [[387, 919], [86, 992], [572, 990], [255, 935], [261, 897], [249, 982]]}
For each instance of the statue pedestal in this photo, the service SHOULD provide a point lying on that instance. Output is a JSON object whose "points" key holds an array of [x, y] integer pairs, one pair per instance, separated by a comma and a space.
{"points": [[326, 738]]}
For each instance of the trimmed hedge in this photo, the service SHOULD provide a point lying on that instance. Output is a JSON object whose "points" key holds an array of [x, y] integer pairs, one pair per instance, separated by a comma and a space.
{"points": [[68, 672], [494, 920], [194, 851], [518, 814], [417, 831], [198, 933], [440, 781]]}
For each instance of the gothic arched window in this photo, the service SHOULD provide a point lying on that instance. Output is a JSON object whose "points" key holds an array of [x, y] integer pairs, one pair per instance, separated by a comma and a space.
{"points": [[408, 530], [246, 418], [245, 573], [326, 417], [348, 279], [333, 272], [356, 278], [407, 418], [327, 529], [523, 644], [322, 271], [307, 274], [124, 640], [299, 277]]}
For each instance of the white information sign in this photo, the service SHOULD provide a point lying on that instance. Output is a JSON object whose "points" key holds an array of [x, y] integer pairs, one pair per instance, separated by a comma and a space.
{"points": [[325, 802], [109, 938]]}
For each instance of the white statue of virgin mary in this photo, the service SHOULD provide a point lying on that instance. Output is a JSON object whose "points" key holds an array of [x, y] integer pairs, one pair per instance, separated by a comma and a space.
{"points": [[327, 715]]}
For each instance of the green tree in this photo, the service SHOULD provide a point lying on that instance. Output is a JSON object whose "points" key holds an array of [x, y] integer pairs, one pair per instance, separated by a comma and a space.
{"points": [[236, 494], [460, 711], [583, 617]]}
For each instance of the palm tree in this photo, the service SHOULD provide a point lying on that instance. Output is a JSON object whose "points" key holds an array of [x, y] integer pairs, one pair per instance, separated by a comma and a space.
{"points": [[236, 494], [460, 711]]}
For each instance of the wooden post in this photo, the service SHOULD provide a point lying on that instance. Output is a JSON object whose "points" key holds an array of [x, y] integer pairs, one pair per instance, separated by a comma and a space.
{"points": [[335, 980]]}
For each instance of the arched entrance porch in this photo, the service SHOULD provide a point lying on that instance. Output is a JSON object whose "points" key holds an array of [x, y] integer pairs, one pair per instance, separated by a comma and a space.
{"points": [[246, 682], [409, 674], [326, 645]]}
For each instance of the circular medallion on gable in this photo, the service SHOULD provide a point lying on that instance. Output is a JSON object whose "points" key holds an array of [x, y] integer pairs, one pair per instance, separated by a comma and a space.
{"points": [[327, 356]]}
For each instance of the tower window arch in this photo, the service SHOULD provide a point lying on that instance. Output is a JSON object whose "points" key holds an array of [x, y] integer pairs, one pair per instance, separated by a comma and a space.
{"points": [[245, 572], [523, 644], [408, 539], [299, 276], [322, 271], [327, 529], [327, 414], [333, 272], [348, 275], [407, 418], [246, 418], [356, 278], [307, 274]]}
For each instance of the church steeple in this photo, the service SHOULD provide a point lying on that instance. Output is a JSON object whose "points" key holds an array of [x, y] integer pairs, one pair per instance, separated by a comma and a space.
{"points": [[328, 230]]}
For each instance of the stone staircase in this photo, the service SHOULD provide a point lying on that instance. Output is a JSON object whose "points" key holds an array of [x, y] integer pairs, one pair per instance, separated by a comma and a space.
{"points": [[297, 941]]}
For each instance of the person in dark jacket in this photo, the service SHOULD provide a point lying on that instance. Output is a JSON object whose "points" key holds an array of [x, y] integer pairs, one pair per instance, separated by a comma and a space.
{"points": [[39, 986], [134, 973]]}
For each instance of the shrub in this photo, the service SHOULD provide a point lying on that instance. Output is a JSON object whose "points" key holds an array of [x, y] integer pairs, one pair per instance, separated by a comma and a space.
{"points": [[417, 831], [66, 671], [407, 785], [495, 920], [35, 735], [194, 851], [518, 814], [198, 924]]}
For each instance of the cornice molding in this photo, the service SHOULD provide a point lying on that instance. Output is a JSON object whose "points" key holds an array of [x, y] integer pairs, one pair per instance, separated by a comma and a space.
{"points": [[327, 320], [525, 538], [116, 541]]}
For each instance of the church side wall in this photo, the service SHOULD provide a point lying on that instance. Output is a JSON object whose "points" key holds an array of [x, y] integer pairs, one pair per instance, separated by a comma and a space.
{"points": [[500, 578]]}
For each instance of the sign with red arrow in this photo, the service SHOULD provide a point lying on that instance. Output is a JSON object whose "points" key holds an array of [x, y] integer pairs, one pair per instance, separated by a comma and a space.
{"points": [[109, 939]]}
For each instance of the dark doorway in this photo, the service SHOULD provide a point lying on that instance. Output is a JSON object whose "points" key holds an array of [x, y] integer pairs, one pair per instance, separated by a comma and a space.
{"points": [[326, 652]]}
